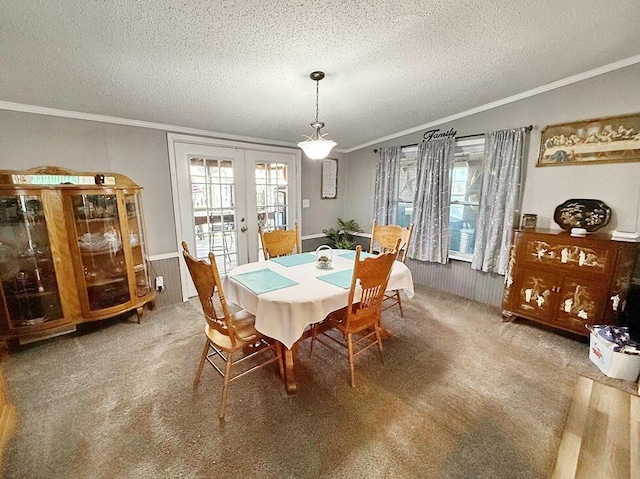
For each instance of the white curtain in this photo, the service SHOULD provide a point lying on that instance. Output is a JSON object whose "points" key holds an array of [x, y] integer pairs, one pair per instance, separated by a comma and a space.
{"points": [[386, 192], [434, 161], [503, 152]]}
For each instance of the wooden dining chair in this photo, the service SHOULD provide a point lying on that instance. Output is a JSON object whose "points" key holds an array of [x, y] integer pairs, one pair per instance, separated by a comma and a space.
{"points": [[361, 316], [230, 337], [384, 238], [280, 242]]}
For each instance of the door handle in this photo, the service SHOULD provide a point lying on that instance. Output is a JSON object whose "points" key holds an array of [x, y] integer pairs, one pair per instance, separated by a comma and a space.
{"points": [[243, 229]]}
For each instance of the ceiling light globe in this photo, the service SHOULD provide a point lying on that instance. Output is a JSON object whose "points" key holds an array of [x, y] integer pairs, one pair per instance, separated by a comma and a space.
{"points": [[317, 149]]}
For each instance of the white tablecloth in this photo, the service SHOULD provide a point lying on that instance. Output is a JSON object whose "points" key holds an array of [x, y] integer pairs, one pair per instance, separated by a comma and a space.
{"points": [[284, 314]]}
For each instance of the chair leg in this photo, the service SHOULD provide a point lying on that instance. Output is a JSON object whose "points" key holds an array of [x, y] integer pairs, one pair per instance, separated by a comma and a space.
{"points": [[379, 340], [202, 360], [399, 302], [351, 367], [225, 386]]}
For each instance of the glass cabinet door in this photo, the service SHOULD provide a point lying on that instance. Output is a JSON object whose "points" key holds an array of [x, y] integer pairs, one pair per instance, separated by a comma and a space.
{"points": [[102, 257], [137, 243], [27, 272]]}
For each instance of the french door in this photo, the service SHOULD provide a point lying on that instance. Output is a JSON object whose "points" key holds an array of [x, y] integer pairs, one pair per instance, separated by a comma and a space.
{"points": [[223, 191]]}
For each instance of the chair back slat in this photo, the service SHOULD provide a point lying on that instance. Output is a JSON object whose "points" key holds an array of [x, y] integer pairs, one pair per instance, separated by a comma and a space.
{"points": [[372, 276], [384, 237], [280, 242], [206, 279]]}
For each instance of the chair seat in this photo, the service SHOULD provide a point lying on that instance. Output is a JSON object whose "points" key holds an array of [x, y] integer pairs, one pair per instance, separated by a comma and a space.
{"points": [[244, 323], [337, 320]]}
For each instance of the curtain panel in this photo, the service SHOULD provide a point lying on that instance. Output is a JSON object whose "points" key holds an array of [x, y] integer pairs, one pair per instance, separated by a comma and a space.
{"points": [[503, 153], [385, 207], [434, 161]]}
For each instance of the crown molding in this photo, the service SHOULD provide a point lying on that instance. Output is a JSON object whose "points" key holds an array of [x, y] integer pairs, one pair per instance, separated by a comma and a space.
{"points": [[520, 96], [77, 115]]}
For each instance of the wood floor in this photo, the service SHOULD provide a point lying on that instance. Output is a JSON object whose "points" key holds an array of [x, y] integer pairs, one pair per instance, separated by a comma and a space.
{"points": [[601, 438]]}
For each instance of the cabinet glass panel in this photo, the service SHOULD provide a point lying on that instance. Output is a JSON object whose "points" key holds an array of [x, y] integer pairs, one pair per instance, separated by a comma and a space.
{"points": [[100, 244], [138, 246], [26, 267]]}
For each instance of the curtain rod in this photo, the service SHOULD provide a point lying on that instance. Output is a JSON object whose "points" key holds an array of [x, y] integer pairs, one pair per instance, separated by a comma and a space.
{"points": [[527, 130]]}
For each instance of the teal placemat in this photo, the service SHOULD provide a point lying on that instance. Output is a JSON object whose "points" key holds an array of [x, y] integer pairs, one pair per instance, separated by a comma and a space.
{"points": [[352, 255], [295, 259], [263, 280], [341, 279]]}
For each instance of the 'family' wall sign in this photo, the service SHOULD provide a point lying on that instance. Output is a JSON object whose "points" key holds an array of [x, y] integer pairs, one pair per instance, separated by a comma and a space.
{"points": [[434, 135]]}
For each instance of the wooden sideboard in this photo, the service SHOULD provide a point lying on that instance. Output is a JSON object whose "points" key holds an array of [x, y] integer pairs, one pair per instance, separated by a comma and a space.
{"points": [[565, 281]]}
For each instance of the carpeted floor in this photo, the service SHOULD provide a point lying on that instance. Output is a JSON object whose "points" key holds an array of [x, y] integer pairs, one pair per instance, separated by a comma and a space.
{"points": [[461, 395]]}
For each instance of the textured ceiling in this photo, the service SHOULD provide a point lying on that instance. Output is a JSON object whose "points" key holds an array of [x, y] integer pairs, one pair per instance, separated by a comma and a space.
{"points": [[241, 67]]}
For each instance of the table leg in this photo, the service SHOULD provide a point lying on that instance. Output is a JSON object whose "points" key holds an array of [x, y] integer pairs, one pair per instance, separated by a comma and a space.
{"points": [[289, 376], [384, 332]]}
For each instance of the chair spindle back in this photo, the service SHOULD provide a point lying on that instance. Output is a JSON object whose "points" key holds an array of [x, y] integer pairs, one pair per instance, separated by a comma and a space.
{"points": [[206, 279], [280, 242], [386, 236], [373, 274]]}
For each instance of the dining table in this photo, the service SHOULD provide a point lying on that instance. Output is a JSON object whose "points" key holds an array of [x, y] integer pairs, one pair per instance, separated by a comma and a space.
{"points": [[287, 294]]}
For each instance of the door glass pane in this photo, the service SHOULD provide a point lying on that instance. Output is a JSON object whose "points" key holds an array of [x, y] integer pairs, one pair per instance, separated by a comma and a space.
{"points": [[26, 266], [99, 239], [272, 196], [214, 208]]}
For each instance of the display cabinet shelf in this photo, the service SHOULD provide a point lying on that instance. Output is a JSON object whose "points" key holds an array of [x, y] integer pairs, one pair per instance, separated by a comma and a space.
{"points": [[103, 282], [81, 230]]}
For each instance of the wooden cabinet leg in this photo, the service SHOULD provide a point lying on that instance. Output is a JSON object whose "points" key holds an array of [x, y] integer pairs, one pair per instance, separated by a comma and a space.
{"points": [[140, 312], [507, 317]]}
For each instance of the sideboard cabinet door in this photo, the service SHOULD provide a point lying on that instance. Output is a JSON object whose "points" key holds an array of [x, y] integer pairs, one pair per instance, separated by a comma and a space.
{"points": [[567, 282]]}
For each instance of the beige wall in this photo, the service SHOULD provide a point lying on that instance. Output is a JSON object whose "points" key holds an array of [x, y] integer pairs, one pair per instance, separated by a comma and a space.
{"points": [[617, 184], [321, 214], [28, 140]]}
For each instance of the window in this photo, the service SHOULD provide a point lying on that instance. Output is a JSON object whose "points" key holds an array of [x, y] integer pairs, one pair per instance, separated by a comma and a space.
{"points": [[466, 182]]}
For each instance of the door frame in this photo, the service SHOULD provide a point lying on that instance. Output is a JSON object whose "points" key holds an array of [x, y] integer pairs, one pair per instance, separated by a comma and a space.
{"points": [[173, 138]]}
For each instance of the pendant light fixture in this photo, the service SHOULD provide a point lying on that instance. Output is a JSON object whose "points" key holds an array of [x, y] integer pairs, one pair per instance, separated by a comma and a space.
{"points": [[316, 147]]}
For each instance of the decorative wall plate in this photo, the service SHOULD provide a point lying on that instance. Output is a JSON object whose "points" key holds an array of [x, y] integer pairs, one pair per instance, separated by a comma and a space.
{"points": [[582, 213]]}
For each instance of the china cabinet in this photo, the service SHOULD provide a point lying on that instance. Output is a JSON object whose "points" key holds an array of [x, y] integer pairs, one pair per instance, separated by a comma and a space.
{"points": [[565, 281], [72, 249]]}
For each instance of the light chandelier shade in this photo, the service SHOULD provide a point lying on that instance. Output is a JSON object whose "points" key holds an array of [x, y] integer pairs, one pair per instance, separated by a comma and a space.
{"points": [[317, 147]]}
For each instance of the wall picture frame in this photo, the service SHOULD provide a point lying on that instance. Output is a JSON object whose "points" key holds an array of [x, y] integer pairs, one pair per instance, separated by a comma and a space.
{"points": [[329, 179], [529, 221], [610, 139]]}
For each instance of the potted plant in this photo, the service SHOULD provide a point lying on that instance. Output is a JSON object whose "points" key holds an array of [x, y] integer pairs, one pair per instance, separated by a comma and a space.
{"points": [[342, 237]]}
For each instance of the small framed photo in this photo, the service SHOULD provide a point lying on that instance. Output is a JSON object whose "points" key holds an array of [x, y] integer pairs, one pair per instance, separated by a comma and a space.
{"points": [[529, 221]]}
